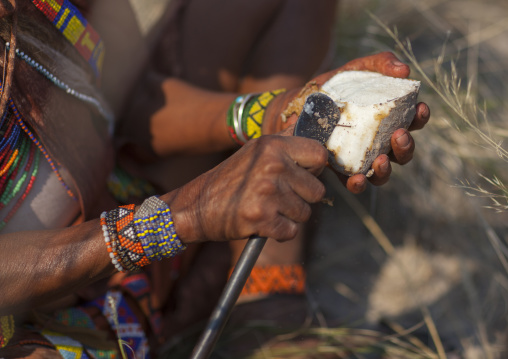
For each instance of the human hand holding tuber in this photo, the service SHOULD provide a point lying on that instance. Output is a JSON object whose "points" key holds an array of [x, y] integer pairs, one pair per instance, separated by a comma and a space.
{"points": [[402, 142]]}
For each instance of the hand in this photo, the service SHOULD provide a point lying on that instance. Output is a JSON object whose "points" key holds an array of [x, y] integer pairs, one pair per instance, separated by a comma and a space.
{"points": [[401, 141], [263, 189]]}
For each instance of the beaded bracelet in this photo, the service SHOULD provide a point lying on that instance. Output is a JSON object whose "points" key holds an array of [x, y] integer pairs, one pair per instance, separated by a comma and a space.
{"points": [[133, 240], [252, 118], [245, 115], [155, 228]]}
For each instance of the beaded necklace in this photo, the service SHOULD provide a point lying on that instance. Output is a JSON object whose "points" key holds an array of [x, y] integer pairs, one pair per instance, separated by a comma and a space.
{"points": [[20, 152], [101, 107]]}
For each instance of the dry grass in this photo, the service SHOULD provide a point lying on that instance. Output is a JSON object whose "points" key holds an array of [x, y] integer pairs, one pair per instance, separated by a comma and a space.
{"points": [[447, 193], [427, 251]]}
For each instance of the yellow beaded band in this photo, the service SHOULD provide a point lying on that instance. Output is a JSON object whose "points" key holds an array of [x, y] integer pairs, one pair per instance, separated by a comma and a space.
{"points": [[246, 113], [6, 329], [253, 115]]}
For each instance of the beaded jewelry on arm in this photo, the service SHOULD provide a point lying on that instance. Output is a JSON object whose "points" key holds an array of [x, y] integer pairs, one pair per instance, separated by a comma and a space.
{"points": [[245, 115], [135, 239]]}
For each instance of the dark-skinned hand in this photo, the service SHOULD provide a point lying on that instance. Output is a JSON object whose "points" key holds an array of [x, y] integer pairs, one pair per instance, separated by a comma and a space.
{"points": [[402, 142], [263, 189]]}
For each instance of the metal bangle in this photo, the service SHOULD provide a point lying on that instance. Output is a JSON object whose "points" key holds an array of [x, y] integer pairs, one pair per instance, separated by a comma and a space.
{"points": [[236, 122], [239, 116]]}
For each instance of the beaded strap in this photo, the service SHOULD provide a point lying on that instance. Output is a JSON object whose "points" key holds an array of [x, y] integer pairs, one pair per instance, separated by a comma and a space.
{"points": [[245, 115], [70, 22], [134, 240]]}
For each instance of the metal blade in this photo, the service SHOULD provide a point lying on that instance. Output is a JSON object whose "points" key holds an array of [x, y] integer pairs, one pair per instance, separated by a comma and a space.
{"points": [[318, 118]]}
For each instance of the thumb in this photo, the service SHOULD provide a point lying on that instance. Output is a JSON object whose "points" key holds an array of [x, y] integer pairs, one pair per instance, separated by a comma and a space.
{"points": [[288, 131]]}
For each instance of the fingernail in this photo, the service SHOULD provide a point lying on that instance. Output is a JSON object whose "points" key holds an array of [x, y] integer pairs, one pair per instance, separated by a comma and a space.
{"points": [[403, 140], [384, 166], [397, 63], [426, 112]]}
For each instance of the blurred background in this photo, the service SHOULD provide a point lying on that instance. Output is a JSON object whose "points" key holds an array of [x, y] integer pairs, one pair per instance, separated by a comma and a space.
{"points": [[417, 268]]}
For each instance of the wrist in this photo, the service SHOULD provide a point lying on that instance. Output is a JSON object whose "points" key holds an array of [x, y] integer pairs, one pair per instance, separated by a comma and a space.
{"points": [[278, 114], [183, 203]]}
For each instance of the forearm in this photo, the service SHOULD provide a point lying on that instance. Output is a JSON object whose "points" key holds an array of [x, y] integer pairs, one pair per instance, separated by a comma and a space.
{"points": [[194, 120], [191, 121], [39, 266]]}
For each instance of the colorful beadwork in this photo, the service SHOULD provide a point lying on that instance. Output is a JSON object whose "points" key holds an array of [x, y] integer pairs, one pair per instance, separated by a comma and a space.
{"points": [[122, 243], [75, 317], [155, 229], [19, 161], [124, 322], [271, 279], [70, 22], [252, 117], [245, 115], [6, 329], [134, 240], [41, 148], [100, 106]]}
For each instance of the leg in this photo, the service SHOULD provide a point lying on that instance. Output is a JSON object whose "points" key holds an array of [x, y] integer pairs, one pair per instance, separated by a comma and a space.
{"points": [[255, 46]]}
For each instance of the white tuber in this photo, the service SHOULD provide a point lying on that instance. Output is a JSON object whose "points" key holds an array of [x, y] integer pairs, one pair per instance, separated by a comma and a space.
{"points": [[372, 107]]}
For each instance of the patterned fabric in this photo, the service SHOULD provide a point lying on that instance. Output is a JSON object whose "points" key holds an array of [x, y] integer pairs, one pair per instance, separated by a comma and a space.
{"points": [[138, 286], [124, 322], [70, 348], [70, 22], [275, 279], [120, 316], [67, 347]]}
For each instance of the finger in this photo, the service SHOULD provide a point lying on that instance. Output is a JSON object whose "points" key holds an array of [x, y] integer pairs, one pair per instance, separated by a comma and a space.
{"points": [[357, 183], [403, 146], [422, 116], [288, 131], [306, 186], [280, 228], [294, 208], [307, 153], [382, 170], [385, 63]]}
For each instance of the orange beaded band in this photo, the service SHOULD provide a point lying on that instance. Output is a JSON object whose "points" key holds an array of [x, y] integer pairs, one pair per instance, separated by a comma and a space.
{"points": [[275, 279]]}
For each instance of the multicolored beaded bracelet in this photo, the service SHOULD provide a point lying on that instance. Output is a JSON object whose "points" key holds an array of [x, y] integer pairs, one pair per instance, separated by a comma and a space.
{"points": [[245, 115], [134, 240]]}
